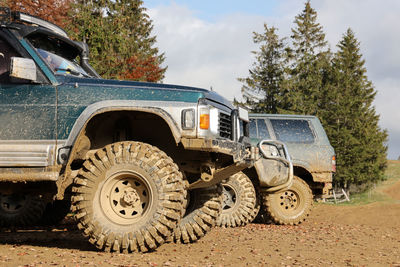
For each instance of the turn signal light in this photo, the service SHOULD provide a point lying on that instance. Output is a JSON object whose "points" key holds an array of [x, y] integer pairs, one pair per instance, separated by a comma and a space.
{"points": [[204, 121]]}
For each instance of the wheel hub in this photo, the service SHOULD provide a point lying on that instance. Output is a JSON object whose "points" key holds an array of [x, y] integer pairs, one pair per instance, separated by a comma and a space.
{"points": [[125, 197], [289, 200], [12, 203], [131, 197]]}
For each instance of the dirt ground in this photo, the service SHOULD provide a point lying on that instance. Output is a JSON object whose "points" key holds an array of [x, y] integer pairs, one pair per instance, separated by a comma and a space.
{"points": [[334, 235]]}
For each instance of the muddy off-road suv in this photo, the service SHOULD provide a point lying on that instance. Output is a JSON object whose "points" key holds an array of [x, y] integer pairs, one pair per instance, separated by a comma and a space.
{"points": [[309, 147], [313, 161], [137, 163]]}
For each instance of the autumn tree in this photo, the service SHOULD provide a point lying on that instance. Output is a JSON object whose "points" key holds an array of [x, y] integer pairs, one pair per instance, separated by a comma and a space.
{"points": [[118, 33]]}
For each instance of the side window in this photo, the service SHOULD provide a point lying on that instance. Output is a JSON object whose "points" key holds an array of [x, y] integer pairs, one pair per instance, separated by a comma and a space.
{"points": [[258, 129], [293, 131], [262, 129], [6, 53], [253, 128]]}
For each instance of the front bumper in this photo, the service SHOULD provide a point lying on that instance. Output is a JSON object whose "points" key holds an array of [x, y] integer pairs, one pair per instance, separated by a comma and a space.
{"points": [[239, 151], [275, 172]]}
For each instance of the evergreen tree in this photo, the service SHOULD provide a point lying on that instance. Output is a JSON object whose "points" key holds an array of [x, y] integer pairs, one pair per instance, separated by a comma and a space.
{"points": [[305, 79], [118, 33], [309, 64], [351, 121], [262, 88]]}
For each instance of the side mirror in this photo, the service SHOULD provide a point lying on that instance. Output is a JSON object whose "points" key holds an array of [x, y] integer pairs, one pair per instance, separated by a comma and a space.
{"points": [[243, 114], [23, 68]]}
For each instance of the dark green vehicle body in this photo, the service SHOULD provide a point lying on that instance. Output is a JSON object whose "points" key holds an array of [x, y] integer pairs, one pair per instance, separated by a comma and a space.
{"points": [[37, 105], [52, 123], [312, 155]]}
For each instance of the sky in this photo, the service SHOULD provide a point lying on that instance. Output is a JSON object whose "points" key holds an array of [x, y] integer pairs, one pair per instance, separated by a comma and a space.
{"points": [[208, 43]]}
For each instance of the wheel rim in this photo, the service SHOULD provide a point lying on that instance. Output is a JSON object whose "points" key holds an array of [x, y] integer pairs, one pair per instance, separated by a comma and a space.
{"points": [[125, 197], [289, 201], [228, 197], [12, 204]]}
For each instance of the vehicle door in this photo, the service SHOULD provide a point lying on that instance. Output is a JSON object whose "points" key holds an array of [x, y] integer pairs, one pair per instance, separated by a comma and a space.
{"points": [[27, 113]]}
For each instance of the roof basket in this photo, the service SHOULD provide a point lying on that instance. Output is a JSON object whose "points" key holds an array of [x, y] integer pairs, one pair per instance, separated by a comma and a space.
{"points": [[19, 16], [6, 16]]}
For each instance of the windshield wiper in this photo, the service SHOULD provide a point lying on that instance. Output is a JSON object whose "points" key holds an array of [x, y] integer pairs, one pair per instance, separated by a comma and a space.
{"points": [[73, 72]]}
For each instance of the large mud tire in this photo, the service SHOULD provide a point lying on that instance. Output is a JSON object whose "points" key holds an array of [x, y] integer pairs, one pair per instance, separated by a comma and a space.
{"points": [[128, 197], [240, 202], [291, 206], [55, 212], [203, 208], [20, 209]]}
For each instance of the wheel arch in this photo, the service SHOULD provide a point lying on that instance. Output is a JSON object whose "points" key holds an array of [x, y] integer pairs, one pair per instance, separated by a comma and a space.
{"points": [[114, 106], [303, 173], [78, 143]]}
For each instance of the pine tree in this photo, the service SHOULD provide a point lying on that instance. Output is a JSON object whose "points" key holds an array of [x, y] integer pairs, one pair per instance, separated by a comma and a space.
{"points": [[262, 88], [309, 63], [118, 33], [351, 121]]}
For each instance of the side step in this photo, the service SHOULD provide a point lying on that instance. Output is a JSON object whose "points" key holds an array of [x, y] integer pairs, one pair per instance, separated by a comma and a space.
{"points": [[28, 174]]}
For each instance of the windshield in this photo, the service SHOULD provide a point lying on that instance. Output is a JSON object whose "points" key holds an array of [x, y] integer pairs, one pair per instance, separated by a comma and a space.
{"points": [[61, 65], [59, 54]]}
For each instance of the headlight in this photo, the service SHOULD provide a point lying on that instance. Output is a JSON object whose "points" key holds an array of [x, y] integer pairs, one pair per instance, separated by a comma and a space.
{"points": [[188, 119], [270, 150]]}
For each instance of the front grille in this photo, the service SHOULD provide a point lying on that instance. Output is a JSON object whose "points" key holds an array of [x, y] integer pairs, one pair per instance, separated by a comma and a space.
{"points": [[225, 125]]}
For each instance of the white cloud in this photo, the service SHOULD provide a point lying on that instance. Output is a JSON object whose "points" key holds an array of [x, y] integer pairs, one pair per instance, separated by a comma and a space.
{"points": [[374, 24], [205, 54], [387, 105]]}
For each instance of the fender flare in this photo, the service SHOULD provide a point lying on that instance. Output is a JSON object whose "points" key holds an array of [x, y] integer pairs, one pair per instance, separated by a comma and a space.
{"points": [[305, 167], [119, 105], [302, 164]]}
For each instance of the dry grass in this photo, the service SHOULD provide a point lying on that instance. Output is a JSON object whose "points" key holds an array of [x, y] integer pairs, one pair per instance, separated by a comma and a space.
{"points": [[378, 192]]}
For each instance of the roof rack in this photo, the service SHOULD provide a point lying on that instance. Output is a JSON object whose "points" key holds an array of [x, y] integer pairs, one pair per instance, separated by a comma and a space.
{"points": [[6, 16]]}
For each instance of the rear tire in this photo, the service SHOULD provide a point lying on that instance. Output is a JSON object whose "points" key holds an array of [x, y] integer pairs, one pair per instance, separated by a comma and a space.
{"points": [[240, 203], [290, 206], [203, 208], [128, 197], [20, 209]]}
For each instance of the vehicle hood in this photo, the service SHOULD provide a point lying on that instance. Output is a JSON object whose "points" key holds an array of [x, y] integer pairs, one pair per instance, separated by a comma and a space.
{"points": [[103, 83]]}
